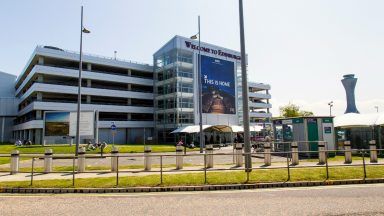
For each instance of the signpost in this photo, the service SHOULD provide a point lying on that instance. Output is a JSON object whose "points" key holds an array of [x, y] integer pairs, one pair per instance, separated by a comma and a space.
{"points": [[113, 131]]}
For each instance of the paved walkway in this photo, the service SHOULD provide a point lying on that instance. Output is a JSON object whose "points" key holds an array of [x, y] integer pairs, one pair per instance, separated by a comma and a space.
{"points": [[132, 164]]}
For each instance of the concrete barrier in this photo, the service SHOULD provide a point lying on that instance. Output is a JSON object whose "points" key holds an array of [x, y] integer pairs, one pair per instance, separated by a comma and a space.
{"points": [[373, 152], [15, 158], [147, 158], [239, 154], [267, 154], [321, 148], [347, 153], [81, 160], [295, 153], [48, 161], [209, 152], [114, 154], [179, 157]]}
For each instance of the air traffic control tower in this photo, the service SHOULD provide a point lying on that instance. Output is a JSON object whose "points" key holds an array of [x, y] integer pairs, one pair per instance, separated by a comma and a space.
{"points": [[349, 83]]}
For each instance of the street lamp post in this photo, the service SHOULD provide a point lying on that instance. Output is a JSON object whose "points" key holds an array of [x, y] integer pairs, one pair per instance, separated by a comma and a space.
{"points": [[202, 144], [330, 104], [82, 30], [247, 146]]}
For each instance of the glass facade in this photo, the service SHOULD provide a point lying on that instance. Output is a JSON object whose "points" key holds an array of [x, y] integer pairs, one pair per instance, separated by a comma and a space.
{"points": [[174, 99], [176, 93]]}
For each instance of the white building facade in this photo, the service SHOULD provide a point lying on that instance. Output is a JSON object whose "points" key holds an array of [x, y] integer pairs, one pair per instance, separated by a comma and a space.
{"points": [[140, 99], [121, 91]]}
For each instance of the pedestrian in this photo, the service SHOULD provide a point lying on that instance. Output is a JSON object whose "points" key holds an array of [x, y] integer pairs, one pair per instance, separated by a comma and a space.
{"points": [[180, 143]]}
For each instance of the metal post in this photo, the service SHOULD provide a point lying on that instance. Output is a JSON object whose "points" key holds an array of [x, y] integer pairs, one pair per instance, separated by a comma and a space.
{"points": [[289, 172], [205, 168], [365, 171], [247, 146], [161, 169], [33, 165], [117, 171], [202, 144], [79, 87], [326, 163], [97, 127], [73, 172]]}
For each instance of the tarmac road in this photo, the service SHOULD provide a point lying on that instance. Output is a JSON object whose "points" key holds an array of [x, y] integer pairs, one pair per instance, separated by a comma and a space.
{"points": [[325, 200]]}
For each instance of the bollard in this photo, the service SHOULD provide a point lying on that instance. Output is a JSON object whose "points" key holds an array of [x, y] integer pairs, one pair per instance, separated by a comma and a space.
{"points": [[147, 158], [81, 160], [48, 160], [373, 152], [347, 153], [179, 157], [239, 155], [267, 154], [209, 152], [321, 148], [15, 162], [114, 154], [295, 153]]}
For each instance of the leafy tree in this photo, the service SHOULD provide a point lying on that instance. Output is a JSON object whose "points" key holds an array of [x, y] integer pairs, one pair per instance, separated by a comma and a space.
{"points": [[292, 110]]}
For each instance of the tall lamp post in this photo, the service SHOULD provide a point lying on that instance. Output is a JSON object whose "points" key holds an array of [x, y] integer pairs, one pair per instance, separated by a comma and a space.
{"points": [[194, 37], [330, 104], [82, 30], [247, 146]]}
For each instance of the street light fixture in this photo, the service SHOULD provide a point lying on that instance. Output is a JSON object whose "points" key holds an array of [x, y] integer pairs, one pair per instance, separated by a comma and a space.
{"points": [[86, 31], [247, 145], [330, 104], [194, 37]]}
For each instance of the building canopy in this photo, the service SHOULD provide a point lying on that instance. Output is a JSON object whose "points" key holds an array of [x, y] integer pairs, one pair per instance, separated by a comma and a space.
{"points": [[218, 128], [359, 120]]}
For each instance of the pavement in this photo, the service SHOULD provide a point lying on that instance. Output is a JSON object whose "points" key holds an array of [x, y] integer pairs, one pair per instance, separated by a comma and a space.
{"points": [[194, 161], [323, 200]]}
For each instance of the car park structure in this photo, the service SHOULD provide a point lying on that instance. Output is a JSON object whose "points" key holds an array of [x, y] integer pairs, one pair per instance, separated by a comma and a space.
{"points": [[143, 101]]}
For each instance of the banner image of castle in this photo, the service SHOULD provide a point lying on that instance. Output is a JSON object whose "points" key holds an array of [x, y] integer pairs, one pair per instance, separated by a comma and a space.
{"points": [[218, 86]]}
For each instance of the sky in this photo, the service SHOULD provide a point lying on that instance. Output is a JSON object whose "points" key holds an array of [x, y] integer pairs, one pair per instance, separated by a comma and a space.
{"points": [[301, 48]]}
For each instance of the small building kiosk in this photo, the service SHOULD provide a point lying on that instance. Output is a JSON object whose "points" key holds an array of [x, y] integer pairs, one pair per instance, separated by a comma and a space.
{"points": [[306, 131], [360, 129]]}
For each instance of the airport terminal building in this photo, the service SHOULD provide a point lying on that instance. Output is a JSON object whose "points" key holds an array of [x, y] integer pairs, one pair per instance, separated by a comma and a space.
{"points": [[141, 100]]}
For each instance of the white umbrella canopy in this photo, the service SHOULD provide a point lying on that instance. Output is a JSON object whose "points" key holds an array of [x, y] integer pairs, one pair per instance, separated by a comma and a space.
{"points": [[380, 119], [219, 128], [355, 120], [237, 129], [256, 128], [190, 129]]}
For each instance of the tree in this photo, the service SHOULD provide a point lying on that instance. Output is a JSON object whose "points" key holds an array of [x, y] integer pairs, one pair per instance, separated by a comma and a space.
{"points": [[292, 110]]}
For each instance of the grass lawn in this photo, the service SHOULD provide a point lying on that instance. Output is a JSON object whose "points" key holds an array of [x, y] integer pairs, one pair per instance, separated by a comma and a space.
{"points": [[129, 148], [230, 177], [94, 168]]}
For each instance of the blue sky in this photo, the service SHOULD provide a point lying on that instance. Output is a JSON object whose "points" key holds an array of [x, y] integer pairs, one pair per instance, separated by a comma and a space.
{"points": [[302, 48]]}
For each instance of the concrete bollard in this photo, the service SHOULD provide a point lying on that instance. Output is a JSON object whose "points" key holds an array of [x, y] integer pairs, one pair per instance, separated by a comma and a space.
{"points": [[209, 152], [373, 152], [147, 158], [48, 160], [179, 157], [14, 161], [81, 160], [114, 154], [239, 155], [347, 153], [321, 148], [267, 154], [295, 153]]}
